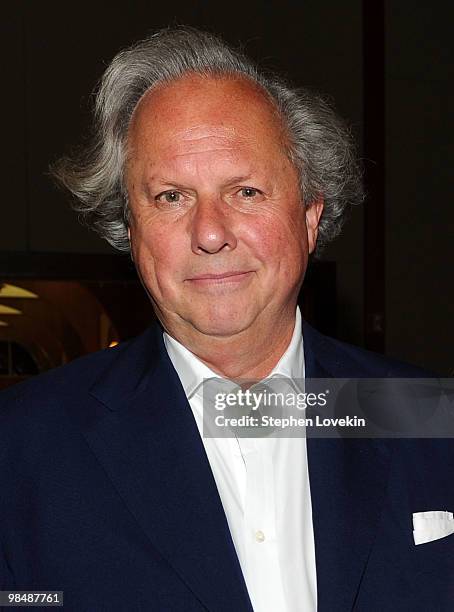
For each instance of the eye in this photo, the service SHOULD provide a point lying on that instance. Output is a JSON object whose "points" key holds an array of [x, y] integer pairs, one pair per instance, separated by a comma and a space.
{"points": [[169, 197], [248, 192]]}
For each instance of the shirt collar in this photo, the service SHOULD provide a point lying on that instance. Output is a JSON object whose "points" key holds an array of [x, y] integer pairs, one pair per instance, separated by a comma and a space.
{"points": [[192, 371]]}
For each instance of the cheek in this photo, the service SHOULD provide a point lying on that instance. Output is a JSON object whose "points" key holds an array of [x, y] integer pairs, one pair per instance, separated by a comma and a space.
{"points": [[278, 241], [154, 253], [147, 238]]}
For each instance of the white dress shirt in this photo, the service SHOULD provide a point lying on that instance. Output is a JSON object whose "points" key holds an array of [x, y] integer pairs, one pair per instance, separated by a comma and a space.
{"points": [[263, 484]]}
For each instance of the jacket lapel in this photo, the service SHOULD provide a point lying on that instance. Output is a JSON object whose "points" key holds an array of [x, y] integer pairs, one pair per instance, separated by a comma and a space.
{"points": [[348, 480], [148, 442]]}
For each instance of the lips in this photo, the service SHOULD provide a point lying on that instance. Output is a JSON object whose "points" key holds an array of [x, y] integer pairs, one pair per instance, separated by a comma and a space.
{"points": [[215, 277]]}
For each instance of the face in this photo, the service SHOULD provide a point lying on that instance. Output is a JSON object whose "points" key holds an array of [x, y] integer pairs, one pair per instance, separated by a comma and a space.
{"points": [[219, 233]]}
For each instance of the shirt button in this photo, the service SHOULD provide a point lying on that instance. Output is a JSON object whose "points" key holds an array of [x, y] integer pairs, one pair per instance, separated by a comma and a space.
{"points": [[259, 536]]}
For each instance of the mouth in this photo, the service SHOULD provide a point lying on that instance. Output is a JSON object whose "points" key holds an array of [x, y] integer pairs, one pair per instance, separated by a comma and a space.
{"points": [[234, 276]]}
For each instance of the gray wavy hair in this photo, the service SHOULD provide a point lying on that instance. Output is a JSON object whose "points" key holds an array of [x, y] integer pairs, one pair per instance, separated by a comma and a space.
{"points": [[319, 144]]}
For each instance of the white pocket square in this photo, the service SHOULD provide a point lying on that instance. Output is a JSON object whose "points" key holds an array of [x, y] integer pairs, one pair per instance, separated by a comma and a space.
{"points": [[429, 526]]}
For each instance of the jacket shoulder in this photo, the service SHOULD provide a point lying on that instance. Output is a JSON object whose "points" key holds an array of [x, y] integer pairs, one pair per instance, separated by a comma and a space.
{"points": [[344, 360], [50, 388]]}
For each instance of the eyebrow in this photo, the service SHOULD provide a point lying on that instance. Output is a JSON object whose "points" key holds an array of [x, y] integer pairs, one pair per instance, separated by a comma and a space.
{"points": [[238, 179]]}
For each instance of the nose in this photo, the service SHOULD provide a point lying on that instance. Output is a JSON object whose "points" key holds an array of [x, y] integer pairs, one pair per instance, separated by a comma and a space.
{"points": [[211, 229]]}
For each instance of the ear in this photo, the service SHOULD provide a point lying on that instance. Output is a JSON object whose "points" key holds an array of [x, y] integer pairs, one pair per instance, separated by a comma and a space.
{"points": [[130, 245], [313, 214]]}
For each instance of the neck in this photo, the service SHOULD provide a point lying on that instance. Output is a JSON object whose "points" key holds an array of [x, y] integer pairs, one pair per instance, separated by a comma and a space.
{"points": [[251, 353]]}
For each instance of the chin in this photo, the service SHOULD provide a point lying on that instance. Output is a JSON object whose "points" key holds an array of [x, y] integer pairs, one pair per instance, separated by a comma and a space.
{"points": [[222, 322]]}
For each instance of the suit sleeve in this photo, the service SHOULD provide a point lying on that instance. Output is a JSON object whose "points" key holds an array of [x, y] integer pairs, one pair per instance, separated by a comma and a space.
{"points": [[7, 581], [6, 577]]}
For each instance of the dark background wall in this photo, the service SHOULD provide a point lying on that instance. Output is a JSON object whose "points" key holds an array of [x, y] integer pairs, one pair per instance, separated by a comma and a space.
{"points": [[55, 52], [419, 183]]}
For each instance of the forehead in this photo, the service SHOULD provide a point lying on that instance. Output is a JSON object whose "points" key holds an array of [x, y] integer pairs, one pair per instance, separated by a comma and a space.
{"points": [[195, 109]]}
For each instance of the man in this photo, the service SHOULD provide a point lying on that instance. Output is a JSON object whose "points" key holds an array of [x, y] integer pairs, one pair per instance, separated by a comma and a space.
{"points": [[221, 182]]}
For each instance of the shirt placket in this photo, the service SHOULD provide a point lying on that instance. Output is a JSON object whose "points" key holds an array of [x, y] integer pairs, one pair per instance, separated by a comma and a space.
{"points": [[262, 574]]}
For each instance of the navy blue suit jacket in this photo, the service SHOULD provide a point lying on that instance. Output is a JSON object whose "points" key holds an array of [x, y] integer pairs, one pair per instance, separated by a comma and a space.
{"points": [[106, 493]]}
